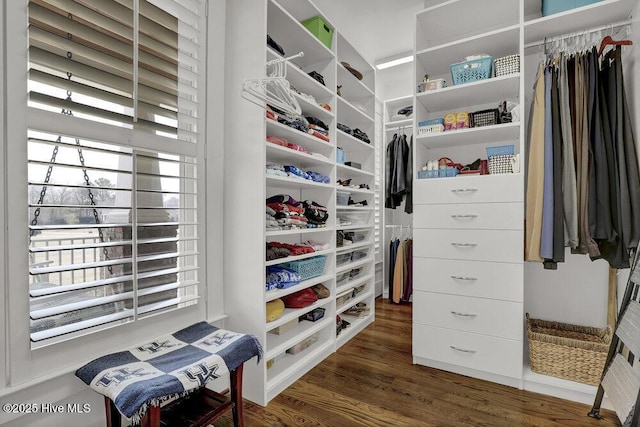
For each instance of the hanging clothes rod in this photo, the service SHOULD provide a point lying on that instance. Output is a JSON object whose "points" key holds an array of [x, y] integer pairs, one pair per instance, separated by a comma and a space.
{"points": [[613, 26], [397, 225]]}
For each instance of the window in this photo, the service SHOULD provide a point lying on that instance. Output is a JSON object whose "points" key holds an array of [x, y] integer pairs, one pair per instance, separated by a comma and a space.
{"points": [[113, 139], [379, 171]]}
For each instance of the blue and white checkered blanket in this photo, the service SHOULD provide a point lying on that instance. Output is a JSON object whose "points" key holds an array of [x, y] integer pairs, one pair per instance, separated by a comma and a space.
{"points": [[168, 367]]}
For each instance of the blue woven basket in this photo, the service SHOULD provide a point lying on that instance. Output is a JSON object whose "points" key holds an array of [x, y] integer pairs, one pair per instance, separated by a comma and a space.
{"points": [[307, 268], [500, 150], [471, 71]]}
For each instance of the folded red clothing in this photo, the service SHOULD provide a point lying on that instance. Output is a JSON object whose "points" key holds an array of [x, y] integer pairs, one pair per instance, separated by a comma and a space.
{"points": [[294, 249], [277, 140], [297, 148], [280, 207], [319, 135]]}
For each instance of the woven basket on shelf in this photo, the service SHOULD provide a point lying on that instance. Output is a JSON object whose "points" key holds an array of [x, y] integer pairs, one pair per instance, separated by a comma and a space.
{"points": [[573, 352]]}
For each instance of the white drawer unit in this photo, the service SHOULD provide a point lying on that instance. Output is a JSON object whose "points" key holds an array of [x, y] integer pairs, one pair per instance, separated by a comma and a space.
{"points": [[478, 315], [478, 245], [477, 189], [480, 352], [484, 216], [501, 281]]}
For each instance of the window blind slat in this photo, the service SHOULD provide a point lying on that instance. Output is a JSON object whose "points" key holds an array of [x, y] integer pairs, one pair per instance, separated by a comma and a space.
{"points": [[167, 287], [148, 308], [80, 305], [146, 258], [78, 326], [51, 290], [81, 266], [80, 246]]}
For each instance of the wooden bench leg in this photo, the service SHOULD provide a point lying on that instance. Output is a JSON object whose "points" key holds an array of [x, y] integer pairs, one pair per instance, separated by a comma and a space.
{"points": [[236, 396], [113, 416]]}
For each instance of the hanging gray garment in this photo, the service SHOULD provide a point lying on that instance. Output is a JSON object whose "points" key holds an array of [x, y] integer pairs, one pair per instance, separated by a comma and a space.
{"points": [[408, 203], [600, 222], [570, 201]]}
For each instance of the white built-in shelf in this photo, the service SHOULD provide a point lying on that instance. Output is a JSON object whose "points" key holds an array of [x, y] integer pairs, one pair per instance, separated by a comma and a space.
{"points": [[299, 79], [355, 264], [350, 284], [279, 154], [305, 140], [347, 53], [495, 134], [279, 293], [294, 183], [293, 37], [277, 344], [438, 24], [294, 313], [290, 364], [558, 387], [354, 227], [298, 258], [359, 298], [294, 231], [352, 88], [350, 248], [354, 190], [350, 115], [351, 143], [436, 60], [398, 123], [357, 325], [311, 109], [464, 96], [601, 13], [348, 170], [355, 208]]}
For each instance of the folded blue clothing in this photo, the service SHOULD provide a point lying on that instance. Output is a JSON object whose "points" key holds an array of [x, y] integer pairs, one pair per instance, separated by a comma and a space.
{"points": [[318, 177], [295, 171], [282, 277]]}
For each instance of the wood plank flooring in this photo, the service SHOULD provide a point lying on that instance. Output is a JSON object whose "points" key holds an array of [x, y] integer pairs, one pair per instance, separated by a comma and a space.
{"points": [[371, 381]]}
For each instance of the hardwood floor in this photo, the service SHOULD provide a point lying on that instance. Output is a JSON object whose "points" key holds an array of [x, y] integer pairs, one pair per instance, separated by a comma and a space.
{"points": [[371, 381]]}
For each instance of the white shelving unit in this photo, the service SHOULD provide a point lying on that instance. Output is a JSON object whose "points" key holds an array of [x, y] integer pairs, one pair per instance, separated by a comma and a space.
{"points": [[452, 328], [248, 185], [457, 212]]}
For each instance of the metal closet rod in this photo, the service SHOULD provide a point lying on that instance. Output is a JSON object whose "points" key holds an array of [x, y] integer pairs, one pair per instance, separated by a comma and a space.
{"points": [[578, 33]]}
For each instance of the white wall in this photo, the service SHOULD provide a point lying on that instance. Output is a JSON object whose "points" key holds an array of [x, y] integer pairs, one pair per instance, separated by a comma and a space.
{"points": [[395, 82]]}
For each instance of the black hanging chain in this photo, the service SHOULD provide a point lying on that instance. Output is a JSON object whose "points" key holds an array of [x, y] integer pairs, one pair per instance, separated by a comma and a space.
{"points": [[87, 182]]}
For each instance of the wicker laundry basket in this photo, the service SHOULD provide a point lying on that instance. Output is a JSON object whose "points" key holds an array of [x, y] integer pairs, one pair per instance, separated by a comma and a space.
{"points": [[572, 352]]}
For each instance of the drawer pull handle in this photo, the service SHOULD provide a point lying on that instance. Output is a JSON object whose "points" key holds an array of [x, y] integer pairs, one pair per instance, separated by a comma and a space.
{"points": [[465, 245], [469, 278], [464, 190], [462, 349], [457, 313], [464, 216]]}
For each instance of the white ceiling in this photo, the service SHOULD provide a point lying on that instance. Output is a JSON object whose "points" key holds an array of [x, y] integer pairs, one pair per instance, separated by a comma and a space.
{"points": [[376, 28]]}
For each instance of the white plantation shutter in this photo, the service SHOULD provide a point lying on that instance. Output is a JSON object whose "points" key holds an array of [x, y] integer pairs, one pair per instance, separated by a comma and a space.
{"points": [[115, 113], [379, 171]]}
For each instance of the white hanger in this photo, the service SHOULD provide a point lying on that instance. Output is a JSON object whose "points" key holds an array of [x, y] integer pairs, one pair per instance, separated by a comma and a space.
{"points": [[273, 90]]}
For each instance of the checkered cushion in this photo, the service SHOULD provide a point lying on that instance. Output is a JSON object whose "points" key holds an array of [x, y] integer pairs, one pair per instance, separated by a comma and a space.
{"points": [[170, 366]]}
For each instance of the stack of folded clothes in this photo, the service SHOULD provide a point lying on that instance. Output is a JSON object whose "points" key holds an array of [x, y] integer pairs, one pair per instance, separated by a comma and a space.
{"points": [[286, 211], [316, 214], [318, 129], [278, 277]]}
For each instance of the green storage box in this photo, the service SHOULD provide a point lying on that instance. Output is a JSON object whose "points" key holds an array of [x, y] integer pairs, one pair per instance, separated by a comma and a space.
{"points": [[319, 28]]}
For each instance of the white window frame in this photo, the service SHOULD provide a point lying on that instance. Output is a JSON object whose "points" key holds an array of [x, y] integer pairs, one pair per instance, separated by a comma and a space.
{"points": [[3, 206], [25, 365]]}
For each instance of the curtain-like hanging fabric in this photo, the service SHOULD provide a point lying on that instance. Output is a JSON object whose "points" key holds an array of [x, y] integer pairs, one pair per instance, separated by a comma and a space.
{"points": [[583, 182]]}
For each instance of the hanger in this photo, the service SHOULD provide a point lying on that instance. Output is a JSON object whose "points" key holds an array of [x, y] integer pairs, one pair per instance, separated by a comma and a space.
{"points": [[273, 90], [608, 40]]}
